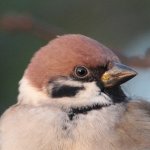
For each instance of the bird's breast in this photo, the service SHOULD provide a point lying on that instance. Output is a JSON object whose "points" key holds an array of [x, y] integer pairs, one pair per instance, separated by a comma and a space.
{"points": [[48, 128]]}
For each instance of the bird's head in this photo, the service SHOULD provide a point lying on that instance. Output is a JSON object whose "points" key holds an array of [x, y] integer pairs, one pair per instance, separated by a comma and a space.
{"points": [[75, 73]]}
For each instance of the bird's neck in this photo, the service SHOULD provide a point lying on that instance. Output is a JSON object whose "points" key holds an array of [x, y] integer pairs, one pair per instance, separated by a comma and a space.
{"points": [[28, 94]]}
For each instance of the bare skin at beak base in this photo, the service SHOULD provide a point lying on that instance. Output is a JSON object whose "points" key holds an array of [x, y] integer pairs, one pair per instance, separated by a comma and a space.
{"points": [[117, 75]]}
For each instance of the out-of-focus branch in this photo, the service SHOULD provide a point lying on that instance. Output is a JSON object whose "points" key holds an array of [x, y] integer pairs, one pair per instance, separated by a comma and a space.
{"points": [[26, 23], [137, 61]]}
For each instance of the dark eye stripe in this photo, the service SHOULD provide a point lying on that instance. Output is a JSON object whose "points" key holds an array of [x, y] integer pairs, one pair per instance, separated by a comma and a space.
{"points": [[65, 91]]}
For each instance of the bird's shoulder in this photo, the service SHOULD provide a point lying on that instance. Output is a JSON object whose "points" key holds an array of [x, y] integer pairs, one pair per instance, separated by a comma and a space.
{"points": [[134, 126], [4, 117], [9, 111], [138, 111]]}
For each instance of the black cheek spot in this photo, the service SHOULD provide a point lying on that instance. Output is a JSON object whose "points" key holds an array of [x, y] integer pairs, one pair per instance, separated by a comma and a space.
{"points": [[65, 91]]}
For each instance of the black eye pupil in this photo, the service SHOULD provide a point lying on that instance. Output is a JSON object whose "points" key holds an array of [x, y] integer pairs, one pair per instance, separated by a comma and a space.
{"points": [[81, 71]]}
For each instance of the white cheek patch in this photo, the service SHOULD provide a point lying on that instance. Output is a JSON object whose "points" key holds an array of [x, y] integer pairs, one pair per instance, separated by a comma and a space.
{"points": [[90, 90], [88, 96], [92, 95], [69, 82]]}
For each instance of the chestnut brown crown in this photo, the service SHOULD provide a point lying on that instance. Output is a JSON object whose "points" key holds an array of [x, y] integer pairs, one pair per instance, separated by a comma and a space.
{"points": [[61, 55]]}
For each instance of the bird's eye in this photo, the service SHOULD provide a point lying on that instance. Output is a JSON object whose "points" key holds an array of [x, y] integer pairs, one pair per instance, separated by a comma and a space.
{"points": [[81, 71]]}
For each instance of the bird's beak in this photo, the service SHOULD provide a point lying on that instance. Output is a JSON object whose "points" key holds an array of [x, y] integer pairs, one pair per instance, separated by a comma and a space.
{"points": [[117, 74]]}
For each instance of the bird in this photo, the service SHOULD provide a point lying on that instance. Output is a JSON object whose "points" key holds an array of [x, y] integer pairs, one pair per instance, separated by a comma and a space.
{"points": [[70, 98]]}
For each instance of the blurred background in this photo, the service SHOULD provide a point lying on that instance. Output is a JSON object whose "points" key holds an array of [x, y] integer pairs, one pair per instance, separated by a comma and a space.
{"points": [[26, 25]]}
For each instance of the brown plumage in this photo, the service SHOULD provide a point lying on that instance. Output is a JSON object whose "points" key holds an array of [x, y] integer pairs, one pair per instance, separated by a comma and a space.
{"points": [[134, 127], [59, 56]]}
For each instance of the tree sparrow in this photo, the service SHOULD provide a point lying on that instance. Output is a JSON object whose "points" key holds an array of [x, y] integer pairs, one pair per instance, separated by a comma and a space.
{"points": [[70, 99]]}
